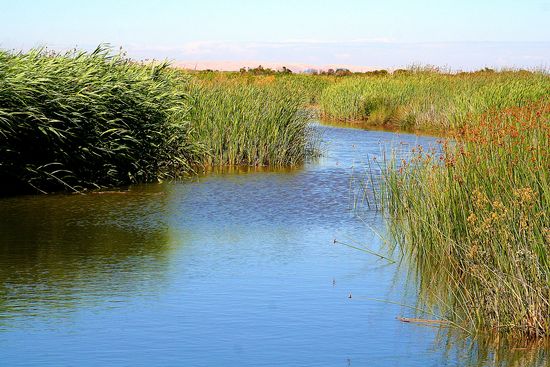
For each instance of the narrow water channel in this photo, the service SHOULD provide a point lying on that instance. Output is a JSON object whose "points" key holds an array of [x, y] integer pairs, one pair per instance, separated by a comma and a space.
{"points": [[228, 269]]}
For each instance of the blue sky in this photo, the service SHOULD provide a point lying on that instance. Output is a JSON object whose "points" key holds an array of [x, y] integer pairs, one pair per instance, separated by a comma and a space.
{"points": [[458, 34]]}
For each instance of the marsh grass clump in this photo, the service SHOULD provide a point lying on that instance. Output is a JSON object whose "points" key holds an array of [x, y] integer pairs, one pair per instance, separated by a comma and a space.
{"points": [[82, 120], [474, 222], [430, 100], [250, 124]]}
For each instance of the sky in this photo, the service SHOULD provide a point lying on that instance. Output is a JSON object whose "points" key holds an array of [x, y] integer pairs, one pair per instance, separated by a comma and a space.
{"points": [[457, 34]]}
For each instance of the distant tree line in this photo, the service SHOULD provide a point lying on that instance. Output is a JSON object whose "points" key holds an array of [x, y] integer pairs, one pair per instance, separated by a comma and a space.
{"points": [[260, 70], [344, 72], [341, 72]]}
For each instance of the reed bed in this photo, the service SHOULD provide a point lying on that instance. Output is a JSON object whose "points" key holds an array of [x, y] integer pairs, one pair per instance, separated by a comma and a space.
{"points": [[78, 120], [474, 222], [428, 100], [250, 124]]}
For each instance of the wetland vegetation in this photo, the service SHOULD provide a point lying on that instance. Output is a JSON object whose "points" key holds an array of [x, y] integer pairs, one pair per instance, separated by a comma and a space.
{"points": [[82, 120], [428, 100], [474, 221], [472, 216]]}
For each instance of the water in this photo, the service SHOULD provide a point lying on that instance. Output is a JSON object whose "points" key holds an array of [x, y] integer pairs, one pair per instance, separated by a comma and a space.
{"points": [[226, 269]]}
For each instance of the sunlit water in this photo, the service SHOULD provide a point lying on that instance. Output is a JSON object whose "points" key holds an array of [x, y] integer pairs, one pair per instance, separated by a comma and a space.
{"points": [[228, 269]]}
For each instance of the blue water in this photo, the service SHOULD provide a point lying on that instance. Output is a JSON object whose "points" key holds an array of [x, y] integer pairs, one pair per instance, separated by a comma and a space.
{"points": [[227, 269]]}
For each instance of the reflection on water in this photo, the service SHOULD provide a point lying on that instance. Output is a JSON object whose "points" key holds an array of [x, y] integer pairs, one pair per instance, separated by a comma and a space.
{"points": [[73, 250], [234, 267], [492, 350]]}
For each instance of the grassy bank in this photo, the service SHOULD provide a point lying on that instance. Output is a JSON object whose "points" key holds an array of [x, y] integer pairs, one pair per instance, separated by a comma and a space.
{"points": [[250, 124], [471, 217], [474, 222], [422, 100], [86, 120]]}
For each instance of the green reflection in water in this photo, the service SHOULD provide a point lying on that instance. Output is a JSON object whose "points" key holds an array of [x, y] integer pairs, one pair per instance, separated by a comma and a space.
{"points": [[492, 351], [60, 251]]}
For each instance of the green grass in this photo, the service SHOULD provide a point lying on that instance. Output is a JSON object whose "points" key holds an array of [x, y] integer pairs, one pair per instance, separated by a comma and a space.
{"points": [[430, 100], [87, 120], [474, 222], [76, 120], [250, 124]]}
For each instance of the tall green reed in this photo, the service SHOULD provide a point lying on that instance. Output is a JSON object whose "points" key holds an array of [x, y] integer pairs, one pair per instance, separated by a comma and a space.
{"points": [[474, 222], [238, 123], [77, 120]]}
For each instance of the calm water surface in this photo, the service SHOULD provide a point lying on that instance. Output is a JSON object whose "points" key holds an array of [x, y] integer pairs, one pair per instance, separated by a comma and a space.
{"points": [[226, 269]]}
